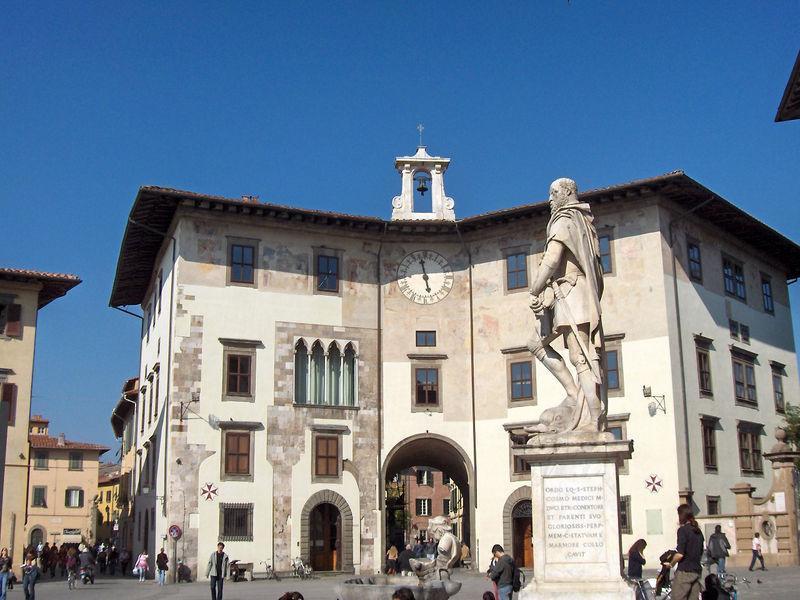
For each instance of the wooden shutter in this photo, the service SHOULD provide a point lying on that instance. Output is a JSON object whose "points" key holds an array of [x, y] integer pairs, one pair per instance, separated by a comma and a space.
{"points": [[9, 395], [14, 320]]}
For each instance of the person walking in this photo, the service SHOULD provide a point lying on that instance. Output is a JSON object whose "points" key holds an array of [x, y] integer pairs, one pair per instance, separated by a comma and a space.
{"points": [[404, 560], [5, 572], [391, 560], [113, 557], [124, 561], [689, 551], [718, 546], [757, 554], [217, 570], [71, 564], [30, 574], [141, 566], [502, 572], [635, 563], [162, 567]]}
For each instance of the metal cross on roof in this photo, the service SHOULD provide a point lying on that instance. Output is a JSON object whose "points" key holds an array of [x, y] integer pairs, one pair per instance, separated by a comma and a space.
{"points": [[420, 128]]}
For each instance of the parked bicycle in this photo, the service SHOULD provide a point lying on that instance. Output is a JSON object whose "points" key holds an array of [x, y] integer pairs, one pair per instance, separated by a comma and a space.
{"points": [[270, 572], [300, 569]]}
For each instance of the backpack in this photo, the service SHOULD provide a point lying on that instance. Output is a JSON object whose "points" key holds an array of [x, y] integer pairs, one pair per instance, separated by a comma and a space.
{"points": [[519, 578]]}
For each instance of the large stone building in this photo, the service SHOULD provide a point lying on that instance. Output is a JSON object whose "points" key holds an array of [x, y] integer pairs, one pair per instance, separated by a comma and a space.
{"points": [[292, 361], [22, 294], [62, 487]]}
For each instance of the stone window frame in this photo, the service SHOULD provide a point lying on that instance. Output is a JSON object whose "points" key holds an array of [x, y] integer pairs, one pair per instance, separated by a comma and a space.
{"points": [[75, 465], [46, 462], [424, 335], [236, 428], [248, 536], [690, 241], [333, 252], [767, 299], [241, 241], [778, 372], [704, 346], [520, 357], [626, 528], [709, 425], [752, 432], [331, 431], [621, 420], [429, 504], [524, 249], [430, 363], [243, 348], [733, 328], [514, 474], [734, 293], [718, 501], [81, 496], [342, 346], [44, 496], [613, 343], [427, 477], [608, 231], [747, 361]]}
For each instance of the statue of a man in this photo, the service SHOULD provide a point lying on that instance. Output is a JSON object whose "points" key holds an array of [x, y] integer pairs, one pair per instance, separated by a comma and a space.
{"points": [[448, 551], [565, 297]]}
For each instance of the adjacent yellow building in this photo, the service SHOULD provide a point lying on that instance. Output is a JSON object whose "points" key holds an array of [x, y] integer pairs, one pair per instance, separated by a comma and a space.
{"points": [[107, 501], [63, 485], [22, 294]]}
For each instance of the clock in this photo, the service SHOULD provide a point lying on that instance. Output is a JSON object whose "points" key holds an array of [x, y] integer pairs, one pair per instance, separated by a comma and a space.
{"points": [[425, 277]]}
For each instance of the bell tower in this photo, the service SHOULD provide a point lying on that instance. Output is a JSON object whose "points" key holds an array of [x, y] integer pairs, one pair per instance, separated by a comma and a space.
{"points": [[425, 171]]}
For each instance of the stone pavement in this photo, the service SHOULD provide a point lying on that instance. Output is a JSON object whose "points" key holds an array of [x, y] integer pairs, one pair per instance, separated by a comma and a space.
{"points": [[776, 584]]}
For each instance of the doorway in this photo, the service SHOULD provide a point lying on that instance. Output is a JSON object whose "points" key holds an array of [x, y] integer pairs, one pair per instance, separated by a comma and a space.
{"points": [[37, 536], [522, 533], [325, 525]]}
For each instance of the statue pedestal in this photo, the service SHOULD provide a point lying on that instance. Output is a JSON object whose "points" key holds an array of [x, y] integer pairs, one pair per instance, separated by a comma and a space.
{"points": [[575, 498]]}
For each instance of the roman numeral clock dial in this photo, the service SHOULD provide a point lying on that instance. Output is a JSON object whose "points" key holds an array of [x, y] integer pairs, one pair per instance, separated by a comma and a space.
{"points": [[425, 277]]}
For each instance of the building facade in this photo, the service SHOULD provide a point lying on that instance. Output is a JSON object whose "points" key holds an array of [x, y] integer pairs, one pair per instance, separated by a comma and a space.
{"points": [[123, 423], [62, 488], [295, 360], [22, 294], [107, 502]]}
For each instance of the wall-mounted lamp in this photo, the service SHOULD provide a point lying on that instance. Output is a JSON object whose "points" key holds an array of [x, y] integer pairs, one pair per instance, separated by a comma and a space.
{"points": [[185, 405], [657, 403]]}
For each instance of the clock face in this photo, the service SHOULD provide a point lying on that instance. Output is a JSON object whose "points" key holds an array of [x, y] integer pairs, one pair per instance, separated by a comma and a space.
{"points": [[425, 277]]}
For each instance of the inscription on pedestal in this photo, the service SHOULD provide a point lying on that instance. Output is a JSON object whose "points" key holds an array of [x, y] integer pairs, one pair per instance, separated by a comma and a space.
{"points": [[575, 528]]}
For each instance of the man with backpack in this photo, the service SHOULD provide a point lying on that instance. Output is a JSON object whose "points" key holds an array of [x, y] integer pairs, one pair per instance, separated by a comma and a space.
{"points": [[504, 573], [718, 546]]}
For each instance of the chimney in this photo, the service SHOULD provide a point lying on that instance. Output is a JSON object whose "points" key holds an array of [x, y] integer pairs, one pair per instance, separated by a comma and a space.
{"points": [[61, 440], [250, 199]]}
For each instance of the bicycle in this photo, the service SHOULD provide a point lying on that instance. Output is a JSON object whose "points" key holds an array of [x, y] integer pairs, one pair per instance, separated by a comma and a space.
{"points": [[301, 570], [643, 589], [270, 572], [729, 581]]}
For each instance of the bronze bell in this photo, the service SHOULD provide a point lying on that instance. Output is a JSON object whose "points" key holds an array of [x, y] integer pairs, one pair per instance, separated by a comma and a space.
{"points": [[422, 180]]}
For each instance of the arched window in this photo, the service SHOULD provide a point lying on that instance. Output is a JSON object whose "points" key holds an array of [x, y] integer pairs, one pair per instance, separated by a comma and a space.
{"points": [[334, 374], [317, 379], [300, 373], [349, 377]]}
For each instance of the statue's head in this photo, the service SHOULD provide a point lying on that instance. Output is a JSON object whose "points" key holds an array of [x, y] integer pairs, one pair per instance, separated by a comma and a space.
{"points": [[563, 191], [438, 526]]}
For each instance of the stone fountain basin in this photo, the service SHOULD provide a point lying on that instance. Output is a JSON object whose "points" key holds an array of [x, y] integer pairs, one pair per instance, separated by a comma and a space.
{"points": [[381, 587]]}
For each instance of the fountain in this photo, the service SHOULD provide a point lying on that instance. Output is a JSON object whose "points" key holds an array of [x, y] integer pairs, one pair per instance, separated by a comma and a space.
{"points": [[433, 576]]}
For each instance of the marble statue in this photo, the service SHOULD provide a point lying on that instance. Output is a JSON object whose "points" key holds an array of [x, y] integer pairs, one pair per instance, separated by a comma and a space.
{"points": [[448, 552], [565, 298]]}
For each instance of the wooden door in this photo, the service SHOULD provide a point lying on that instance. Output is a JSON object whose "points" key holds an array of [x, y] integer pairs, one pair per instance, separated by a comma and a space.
{"points": [[522, 534], [325, 538]]}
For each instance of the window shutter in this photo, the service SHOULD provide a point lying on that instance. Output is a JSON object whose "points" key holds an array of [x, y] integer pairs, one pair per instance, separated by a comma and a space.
{"points": [[66, 498], [80, 498], [14, 320], [9, 395]]}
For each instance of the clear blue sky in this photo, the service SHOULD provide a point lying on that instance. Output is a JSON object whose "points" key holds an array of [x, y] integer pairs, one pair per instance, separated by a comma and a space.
{"points": [[308, 103]]}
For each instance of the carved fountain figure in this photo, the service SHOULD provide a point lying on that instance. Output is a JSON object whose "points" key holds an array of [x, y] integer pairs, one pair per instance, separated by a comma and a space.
{"points": [[433, 576]]}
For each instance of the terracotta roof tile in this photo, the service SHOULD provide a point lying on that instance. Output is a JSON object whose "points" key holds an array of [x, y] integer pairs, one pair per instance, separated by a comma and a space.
{"points": [[54, 285], [48, 441]]}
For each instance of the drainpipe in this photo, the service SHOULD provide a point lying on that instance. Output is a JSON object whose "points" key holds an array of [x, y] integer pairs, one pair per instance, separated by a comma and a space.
{"points": [[672, 240], [381, 482]]}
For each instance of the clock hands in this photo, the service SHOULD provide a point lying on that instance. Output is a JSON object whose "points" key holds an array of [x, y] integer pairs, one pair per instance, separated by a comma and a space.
{"points": [[425, 276]]}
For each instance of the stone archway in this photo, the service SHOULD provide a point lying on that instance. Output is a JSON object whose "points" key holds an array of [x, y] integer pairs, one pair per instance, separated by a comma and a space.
{"points": [[328, 497], [438, 452], [521, 493], [37, 535]]}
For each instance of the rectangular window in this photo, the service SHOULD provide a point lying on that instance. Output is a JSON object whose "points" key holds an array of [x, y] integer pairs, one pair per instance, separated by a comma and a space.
{"points": [[327, 273], [709, 444], [777, 390], [108, 496], [446, 479], [445, 506], [76, 461], [766, 295], [712, 505], [423, 506], [238, 380], [236, 522], [744, 332], [39, 496], [242, 262], [427, 392], [521, 380], [744, 378], [616, 431], [424, 477], [625, 515], [159, 290], [40, 459], [11, 319], [750, 448], [155, 396], [612, 369], [8, 393], [695, 264], [149, 323], [150, 404], [704, 372], [516, 271], [733, 275], [73, 498], [617, 425], [605, 253], [426, 338], [733, 327], [237, 453], [326, 456]]}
